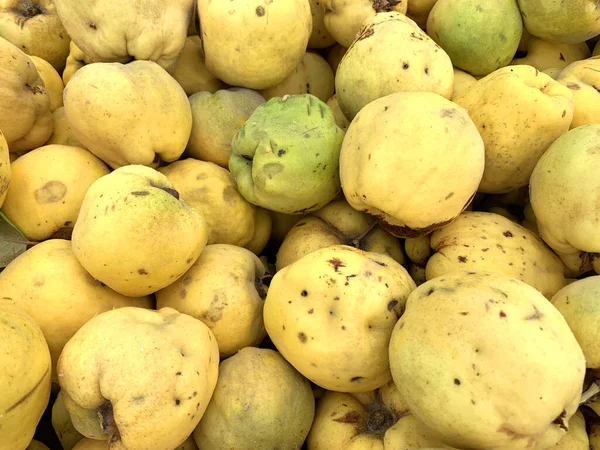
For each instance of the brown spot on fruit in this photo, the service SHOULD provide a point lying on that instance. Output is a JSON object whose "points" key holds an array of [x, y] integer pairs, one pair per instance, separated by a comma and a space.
{"points": [[349, 417], [537, 315], [91, 25], [51, 192], [229, 194], [561, 420], [107, 421], [356, 379], [507, 234], [462, 259], [391, 305], [336, 263], [260, 11], [302, 337], [502, 314], [140, 193], [457, 381]]}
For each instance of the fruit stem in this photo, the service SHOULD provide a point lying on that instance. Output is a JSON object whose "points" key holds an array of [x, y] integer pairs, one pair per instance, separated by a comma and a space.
{"points": [[591, 393]]}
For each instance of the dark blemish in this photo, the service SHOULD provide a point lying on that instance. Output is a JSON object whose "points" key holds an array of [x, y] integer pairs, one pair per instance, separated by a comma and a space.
{"points": [[573, 86], [462, 259], [178, 374], [281, 152], [449, 196], [464, 313], [194, 394], [311, 310], [51, 192], [386, 108], [331, 313], [473, 402], [380, 263], [429, 292], [499, 291], [140, 193], [182, 293], [302, 337], [367, 33], [537, 315], [336, 298], [304, 293], [507, 234], [92, 25], [391, 305], [560, 421], [349, 417], [426, 71], [405, 66], [336, 263], [562, 58], [457, 381], [322, 111], [355, 379], [283, 327], [564, 113], [260, 11], [343, 327], [502, 314], [142, 272], [177, 401]]}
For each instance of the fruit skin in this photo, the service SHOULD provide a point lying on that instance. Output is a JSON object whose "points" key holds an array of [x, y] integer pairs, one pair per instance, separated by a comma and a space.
{"points": [[251, 405], [62, 134], [211, 190], [399, 162], [229, 302], [458, 376], [330, 314], [343, 19], [52, 81], [34, 27], [216, 118], [391, 54], [545, 55], [47, 188], [553, 21], [63, 426], [90, 444], [418, 10], [507, 249], [319, 36], [583, 79], [139, 114], [563, 195], [112, 31], [124, 218], [25, 115], [141, 372], [579, 303], [286, 156], [191, 73], [24, 379], [479, 37], [577, 437], [75, 61], [462, 80], [37, 445], [5, 168], [274, 40], [48, 283], [515, 142]]}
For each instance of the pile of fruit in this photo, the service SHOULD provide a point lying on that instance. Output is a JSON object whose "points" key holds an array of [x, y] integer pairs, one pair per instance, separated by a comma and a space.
{"points": [[299, 224]]}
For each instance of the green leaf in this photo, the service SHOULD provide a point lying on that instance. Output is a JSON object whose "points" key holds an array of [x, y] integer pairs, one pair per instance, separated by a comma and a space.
{"points": [[12, 242]]}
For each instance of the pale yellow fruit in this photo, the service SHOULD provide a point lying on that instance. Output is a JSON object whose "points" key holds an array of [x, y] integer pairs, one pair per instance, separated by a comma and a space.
{"points": [[47, 189], [260, 402], [409, 432], [553, 72], [417, 273], [319, 36], [418, 10], [5, 168], [579, 303], [340, 118], [487, 362], [577, 437], [514, 142], [335, 55], [63, 425], [544, 55], [263, 226], [62, 134], [230, 302], [312, 76], [75, 61], [274, 40], [34, 27], [212, 191], [343, 19], [91, 444], [380, 241], [24, 379], [148, 375], [37, 445], [124, 218], [462, 80], [428, 139], [486, 241], [130, 113], [330, 314], [583, 79], [113, 31], [391, 54], [190, 71], [52, 81], [48, 283], [418, 249], [216, 118], [563, 196], [25, 115]]}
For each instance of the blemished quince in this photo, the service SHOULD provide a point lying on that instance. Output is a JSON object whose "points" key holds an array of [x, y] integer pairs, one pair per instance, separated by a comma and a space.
{"points": [[286, 156], [124, 218], [331, 312], [5, 168], [75, 61], [413, 160], [274, 40], [391, 54], [24, 378], [515, 142], [260, 402], [230, 302], [52, 81], [544, 55], [47, 188], [132, 113], [144, 376], [563, 194], [25, 114], [344, 19], [487, 362], [583, 80], [63, 425], [113, 31], [48, 283], [319, 36]]}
